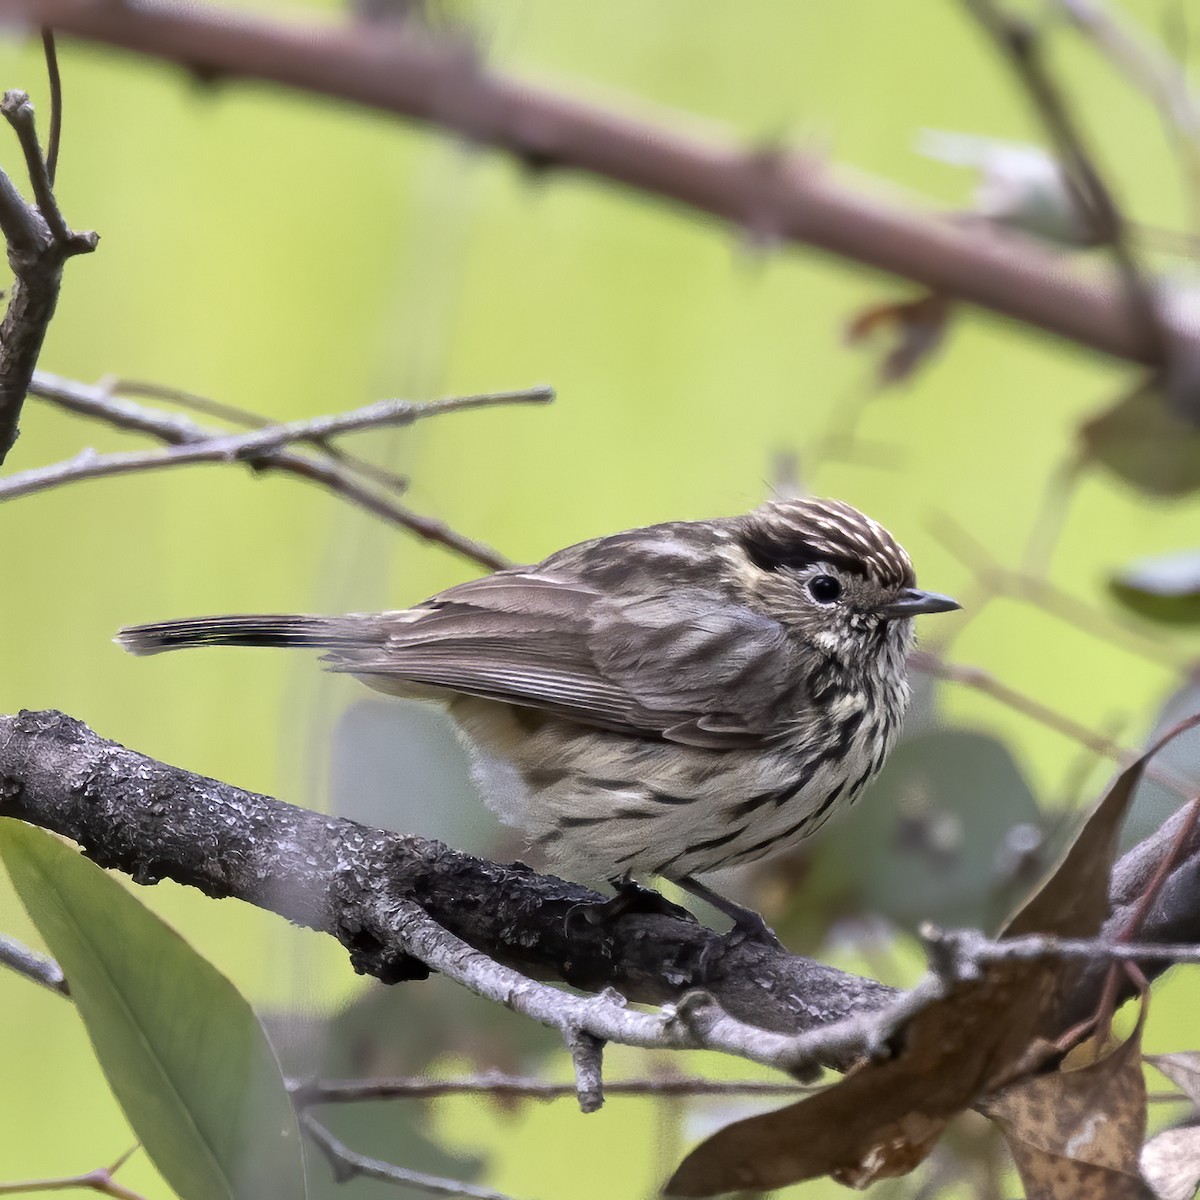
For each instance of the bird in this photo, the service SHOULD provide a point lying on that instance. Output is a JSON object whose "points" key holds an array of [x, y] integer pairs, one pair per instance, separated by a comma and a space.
{"points": [[666, 701]]}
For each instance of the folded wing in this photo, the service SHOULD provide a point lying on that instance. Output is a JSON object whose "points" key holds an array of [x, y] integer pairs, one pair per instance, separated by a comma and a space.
{"points": [[683, 664]]}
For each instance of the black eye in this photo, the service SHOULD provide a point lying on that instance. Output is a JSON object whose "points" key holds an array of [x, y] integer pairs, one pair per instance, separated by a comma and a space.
{"points": [[824, 589]]}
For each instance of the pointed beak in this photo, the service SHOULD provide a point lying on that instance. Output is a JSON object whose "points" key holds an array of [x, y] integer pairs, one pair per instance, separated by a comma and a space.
{"points": [[912, 602]]}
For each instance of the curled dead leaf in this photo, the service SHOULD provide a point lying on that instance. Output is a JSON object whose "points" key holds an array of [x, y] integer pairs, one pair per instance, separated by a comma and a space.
{"points": [[1079, 1132], [916, 328]]}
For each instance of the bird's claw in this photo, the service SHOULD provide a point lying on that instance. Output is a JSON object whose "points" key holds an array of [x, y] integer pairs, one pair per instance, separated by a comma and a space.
{"points": [[631, 897]]}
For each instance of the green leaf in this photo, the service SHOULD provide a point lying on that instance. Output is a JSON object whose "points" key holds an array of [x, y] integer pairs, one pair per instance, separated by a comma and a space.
{"points": [[1146, 444], [182, 1050], [1164, 588]]}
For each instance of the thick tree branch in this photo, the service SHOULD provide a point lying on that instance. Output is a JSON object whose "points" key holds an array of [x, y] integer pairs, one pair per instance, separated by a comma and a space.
{"points": [[494, 928], [774, 197], [359, 884]]}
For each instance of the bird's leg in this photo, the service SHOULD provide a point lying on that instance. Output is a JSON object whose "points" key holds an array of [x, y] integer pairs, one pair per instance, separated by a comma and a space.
{"points": [[631, 897], [746, 921]]}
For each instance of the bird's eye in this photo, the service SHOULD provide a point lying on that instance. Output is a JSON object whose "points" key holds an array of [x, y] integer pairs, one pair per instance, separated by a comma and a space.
{"points": [[824, 589]]}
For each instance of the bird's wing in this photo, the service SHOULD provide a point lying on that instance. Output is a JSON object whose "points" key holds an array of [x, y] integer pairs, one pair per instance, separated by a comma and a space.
{"points": [[683, 664]]}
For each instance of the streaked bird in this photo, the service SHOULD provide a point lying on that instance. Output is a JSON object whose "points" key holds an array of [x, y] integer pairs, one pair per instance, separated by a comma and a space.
{"points": [[667, 701]]}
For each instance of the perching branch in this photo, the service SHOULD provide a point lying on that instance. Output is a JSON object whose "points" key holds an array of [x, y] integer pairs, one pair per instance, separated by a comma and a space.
{"points": [[402, 905], [773, 197], [39, 244]]}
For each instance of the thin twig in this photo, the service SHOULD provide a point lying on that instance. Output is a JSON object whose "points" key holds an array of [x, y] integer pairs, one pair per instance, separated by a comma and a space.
{"points": [[1151, 68], [1021, 44], [781, 197], [54, 78], [348, 1164], [974, 947], [389, 480], [100, 1180], [983, 681], [192, 443], [39, 244], [32, 965], [696, 1022], [18, 112], [998, 579], [307, 1092]]}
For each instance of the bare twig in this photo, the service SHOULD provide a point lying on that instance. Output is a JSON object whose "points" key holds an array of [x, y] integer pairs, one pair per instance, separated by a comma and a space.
{"points": [[1149, 67], [260, 449], [697, 1022], [390, 480], [18, 112], [996, 579], [248, 447], [775, 197], [1020, 42], [308, 1092], [348, 1164], [32, 965], [39, 244], [971, 946], [100, 1180], [983, 681], [54, 79]]}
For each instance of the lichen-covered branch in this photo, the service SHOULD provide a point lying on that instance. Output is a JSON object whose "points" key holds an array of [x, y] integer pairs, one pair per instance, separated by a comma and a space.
{"points": [[402, 904]]}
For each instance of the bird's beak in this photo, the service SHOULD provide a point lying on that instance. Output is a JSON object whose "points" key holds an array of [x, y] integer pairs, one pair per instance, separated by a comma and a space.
{"points": [[912, 602]]}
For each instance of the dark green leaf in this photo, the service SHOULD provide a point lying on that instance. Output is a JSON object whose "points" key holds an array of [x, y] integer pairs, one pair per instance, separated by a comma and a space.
{"points": [[1146, 444], [1165, 588], [182, 1050]]}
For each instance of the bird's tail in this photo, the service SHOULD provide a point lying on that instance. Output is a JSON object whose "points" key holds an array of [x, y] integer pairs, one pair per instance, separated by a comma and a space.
{"points": [[330, 633]]}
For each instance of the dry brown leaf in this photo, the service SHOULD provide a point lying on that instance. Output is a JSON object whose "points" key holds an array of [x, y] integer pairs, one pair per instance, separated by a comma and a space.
{"points": [[917, 328], [1171, 1163], [1183, 1070], [987, 1032], [1079, 1129]]}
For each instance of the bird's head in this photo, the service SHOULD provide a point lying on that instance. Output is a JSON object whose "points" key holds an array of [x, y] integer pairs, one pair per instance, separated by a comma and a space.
{"points": [[837, 579]]}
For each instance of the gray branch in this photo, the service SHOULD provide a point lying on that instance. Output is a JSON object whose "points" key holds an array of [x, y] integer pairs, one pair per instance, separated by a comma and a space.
{"points": [[402, 904], [32, 965], [39, 244], [264, 449]]}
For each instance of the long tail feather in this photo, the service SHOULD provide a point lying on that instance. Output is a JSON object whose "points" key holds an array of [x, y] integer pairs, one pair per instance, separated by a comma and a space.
{"points": [[255, 630]]}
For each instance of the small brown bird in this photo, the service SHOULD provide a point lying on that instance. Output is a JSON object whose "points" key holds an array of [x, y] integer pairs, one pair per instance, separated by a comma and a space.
{"points": [[666, 701]]}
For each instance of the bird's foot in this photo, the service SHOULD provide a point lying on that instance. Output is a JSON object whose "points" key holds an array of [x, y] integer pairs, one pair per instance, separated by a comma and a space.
{"points": [[630, 897], [748, 926]]}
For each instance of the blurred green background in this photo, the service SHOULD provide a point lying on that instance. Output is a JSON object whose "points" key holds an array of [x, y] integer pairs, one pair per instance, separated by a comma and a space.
{"points": [[295, 257]]}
